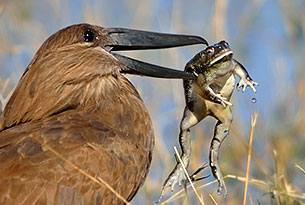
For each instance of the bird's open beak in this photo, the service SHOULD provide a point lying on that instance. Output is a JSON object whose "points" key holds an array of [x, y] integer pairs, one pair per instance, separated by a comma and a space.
{"points": [[120, 39]]}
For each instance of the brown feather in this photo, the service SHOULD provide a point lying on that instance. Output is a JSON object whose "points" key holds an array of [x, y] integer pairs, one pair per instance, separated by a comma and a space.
{"points": [[73, 98]]}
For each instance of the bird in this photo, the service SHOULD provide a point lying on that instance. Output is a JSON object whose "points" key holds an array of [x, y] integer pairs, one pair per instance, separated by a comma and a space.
{"points": [[73, 111]]}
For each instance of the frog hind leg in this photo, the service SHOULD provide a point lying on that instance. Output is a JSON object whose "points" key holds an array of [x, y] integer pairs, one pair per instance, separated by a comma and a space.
{"points": [[220, 133], [177, 175]]}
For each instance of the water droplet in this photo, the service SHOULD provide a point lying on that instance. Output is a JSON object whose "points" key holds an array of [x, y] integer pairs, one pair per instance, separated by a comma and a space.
{"points": [[253, 100]]}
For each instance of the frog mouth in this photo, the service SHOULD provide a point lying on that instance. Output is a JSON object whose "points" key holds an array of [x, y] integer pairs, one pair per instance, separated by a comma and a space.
{"points": [[222, 57]]}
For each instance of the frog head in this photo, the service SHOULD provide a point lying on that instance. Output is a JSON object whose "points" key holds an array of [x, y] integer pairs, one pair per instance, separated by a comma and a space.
{"points": [[217, 55]]}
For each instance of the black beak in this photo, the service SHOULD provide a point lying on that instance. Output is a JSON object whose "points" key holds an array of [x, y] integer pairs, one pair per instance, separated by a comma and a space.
{"points": [[120, 39]]}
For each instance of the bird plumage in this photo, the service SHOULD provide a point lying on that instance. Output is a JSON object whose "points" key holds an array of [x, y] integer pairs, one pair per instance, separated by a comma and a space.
{"points": [[73, 99]]}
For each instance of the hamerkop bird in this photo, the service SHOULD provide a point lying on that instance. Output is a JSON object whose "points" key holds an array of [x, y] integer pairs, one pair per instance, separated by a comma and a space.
{"points": [[73, 104]]}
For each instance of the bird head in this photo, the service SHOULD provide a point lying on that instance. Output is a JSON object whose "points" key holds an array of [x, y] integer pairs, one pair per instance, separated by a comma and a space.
{"points": [[102, 42], [78, 64]]}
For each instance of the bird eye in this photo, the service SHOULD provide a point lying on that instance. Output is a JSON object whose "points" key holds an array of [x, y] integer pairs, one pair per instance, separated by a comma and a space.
{"points": [[89, 36]]}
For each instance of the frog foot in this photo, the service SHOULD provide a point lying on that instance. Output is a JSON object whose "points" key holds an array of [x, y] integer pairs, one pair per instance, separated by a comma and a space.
{"points": [[244, 82], [177, 176], [222, 189], [218, 98], [222, 100]]}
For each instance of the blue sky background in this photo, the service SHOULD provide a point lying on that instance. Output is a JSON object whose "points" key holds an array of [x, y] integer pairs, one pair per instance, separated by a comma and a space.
{"points": [[267, 37]]}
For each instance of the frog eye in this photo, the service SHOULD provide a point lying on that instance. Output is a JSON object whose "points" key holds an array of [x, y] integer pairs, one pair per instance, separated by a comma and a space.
{"points": [[210, 50], [226, 44]]}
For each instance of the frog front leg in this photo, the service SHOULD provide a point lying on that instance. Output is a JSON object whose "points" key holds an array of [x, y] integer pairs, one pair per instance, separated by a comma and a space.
{"points": [[221, 131], [245, 79], [217, 98], [204, 81]]}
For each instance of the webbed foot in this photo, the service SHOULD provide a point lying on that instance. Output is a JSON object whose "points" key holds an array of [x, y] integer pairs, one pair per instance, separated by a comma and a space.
{"points": [[244, 82], [222, 189], [177, 176]]}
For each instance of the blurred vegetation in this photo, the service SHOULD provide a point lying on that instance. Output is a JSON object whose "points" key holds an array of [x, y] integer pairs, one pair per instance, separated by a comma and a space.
{"points": [[267, 36]]}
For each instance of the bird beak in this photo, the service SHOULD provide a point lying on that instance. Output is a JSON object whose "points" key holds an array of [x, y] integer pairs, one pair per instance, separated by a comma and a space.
{"points": [[121, 39]]}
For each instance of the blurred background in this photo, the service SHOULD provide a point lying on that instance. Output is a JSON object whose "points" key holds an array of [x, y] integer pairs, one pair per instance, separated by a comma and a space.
{"points": [[267, 36]]}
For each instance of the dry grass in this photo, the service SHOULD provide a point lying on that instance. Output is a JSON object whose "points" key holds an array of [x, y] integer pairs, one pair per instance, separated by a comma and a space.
{"points": [[253, 122], [275, 60]]}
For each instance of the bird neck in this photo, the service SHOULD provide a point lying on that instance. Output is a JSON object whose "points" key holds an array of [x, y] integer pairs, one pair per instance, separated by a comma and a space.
{"points": [[99, 95]]}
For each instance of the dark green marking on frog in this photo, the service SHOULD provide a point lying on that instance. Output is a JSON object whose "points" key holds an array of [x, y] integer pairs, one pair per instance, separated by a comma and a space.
{"points": [[209, 95]]}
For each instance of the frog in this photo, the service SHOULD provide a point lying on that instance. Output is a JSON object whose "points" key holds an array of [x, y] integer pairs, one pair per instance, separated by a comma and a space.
{"points": [[209, 94]]}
